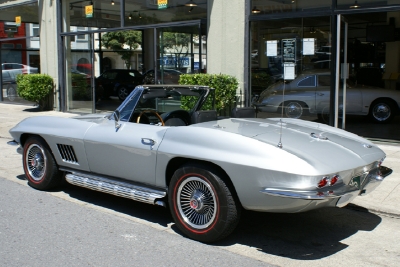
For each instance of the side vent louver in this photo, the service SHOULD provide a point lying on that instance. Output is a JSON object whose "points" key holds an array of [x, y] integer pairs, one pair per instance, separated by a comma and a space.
{"points": [[67, 153]]}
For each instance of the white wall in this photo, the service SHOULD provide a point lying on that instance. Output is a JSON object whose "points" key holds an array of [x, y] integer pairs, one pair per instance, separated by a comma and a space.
{"points": [[48, 43], [226, 39]]}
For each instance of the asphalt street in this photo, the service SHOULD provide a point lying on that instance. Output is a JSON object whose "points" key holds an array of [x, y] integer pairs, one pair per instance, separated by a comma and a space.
{"points": [[40, 229]]}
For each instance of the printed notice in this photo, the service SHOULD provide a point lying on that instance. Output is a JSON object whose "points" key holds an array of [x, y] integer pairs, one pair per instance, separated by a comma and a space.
{"points": [[272, 48], [308, 46], [288, 71], [289, 50]]}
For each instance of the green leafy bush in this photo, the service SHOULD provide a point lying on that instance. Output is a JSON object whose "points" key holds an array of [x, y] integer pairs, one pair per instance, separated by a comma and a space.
{"points": [[35, 88], [225, 89]]}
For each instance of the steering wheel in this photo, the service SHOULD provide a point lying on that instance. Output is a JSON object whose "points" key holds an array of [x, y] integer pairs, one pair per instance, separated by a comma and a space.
{"points": [[150, 111]]}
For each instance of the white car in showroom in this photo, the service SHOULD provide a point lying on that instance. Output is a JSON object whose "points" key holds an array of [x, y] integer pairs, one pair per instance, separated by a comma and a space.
{"points": [[309, 93]]}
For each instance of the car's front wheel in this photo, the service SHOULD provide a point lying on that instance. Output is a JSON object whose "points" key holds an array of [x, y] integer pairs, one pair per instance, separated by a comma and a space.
{"points": [[202, 205], [382, 111], [39, 165]]}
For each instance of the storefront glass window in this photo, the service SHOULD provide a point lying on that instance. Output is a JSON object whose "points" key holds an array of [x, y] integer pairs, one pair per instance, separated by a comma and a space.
{"points": [[19, 47], [351, 4], [290, 62], [291, 72], [272, 7], [180, 50], [79, 70], [107, 14], [141, 12]]}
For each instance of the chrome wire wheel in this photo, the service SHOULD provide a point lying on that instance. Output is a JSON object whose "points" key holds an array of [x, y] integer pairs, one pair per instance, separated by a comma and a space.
{"points": [[381, 112], [197, 203], [294, 110], [36, 162]]}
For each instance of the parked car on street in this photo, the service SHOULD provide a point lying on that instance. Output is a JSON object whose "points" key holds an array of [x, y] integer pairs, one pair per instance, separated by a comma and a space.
{"points": [[10, 84], [309, 92], [163, 145], [118, 82], [20, 68]]}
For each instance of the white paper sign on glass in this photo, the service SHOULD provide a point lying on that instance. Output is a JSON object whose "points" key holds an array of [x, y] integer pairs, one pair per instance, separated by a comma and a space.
{"points": [[271, 48], [309, 46], [289, 71]]}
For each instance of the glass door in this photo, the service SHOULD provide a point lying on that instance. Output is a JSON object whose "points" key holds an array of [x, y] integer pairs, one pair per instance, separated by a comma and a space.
{"points": [[291, 67]]}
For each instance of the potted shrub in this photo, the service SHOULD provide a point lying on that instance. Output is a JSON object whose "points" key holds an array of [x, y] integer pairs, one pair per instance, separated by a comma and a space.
{"points": [[35, 88]]}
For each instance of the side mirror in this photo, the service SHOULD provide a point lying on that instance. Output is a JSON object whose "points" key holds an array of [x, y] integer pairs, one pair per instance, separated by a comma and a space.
{"points": [[117, 116]]}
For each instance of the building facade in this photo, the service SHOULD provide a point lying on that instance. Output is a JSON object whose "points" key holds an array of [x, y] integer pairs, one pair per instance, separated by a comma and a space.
{"points": [[332, 61]]}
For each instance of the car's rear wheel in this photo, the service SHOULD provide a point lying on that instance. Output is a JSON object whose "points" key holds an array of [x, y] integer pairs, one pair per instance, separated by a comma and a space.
{"points": [[202, 205], [382, 111], [39, 165], [122, 93]]}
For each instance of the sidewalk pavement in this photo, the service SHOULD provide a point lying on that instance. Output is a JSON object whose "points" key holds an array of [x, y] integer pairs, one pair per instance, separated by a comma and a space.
{"points": [[384, 199]]}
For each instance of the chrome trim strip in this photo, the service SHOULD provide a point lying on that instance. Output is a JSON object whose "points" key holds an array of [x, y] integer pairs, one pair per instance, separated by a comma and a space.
{"points": [[117, 188], [308, 195]]}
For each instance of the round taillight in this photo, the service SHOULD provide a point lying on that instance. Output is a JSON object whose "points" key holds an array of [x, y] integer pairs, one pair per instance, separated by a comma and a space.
{"points": [[334, 179], [323, 182]]}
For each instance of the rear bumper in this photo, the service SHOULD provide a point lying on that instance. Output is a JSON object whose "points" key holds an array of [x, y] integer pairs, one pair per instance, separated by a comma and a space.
{"points": [[342, 193]]}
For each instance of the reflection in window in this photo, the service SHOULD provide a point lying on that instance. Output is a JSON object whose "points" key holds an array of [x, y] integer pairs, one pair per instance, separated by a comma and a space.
{"points": [[308, 81]]}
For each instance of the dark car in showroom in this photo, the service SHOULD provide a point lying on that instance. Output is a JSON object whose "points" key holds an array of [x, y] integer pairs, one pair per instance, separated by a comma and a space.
{"points": [[117, 82], [164, 76]]}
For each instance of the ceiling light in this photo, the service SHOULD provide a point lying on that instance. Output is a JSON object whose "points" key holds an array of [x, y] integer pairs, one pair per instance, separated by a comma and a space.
{"points": [[191, 3], [356, 5], [255, 10], [130, 16], [112, 3]]}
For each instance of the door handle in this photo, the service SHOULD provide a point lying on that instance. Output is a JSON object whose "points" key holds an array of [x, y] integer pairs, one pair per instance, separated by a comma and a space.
{"points": [[148, 141]]}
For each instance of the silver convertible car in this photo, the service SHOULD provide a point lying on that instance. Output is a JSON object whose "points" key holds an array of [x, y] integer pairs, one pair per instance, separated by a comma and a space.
{"points": [[309, 92], [166, 145]]}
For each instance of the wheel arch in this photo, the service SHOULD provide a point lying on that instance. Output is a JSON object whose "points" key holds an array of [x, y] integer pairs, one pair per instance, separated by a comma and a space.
{"points": [[24, 137], [178, 162]]}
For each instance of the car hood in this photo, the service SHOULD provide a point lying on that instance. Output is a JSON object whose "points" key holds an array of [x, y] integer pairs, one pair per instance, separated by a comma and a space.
{"points": [[317, 144]]}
